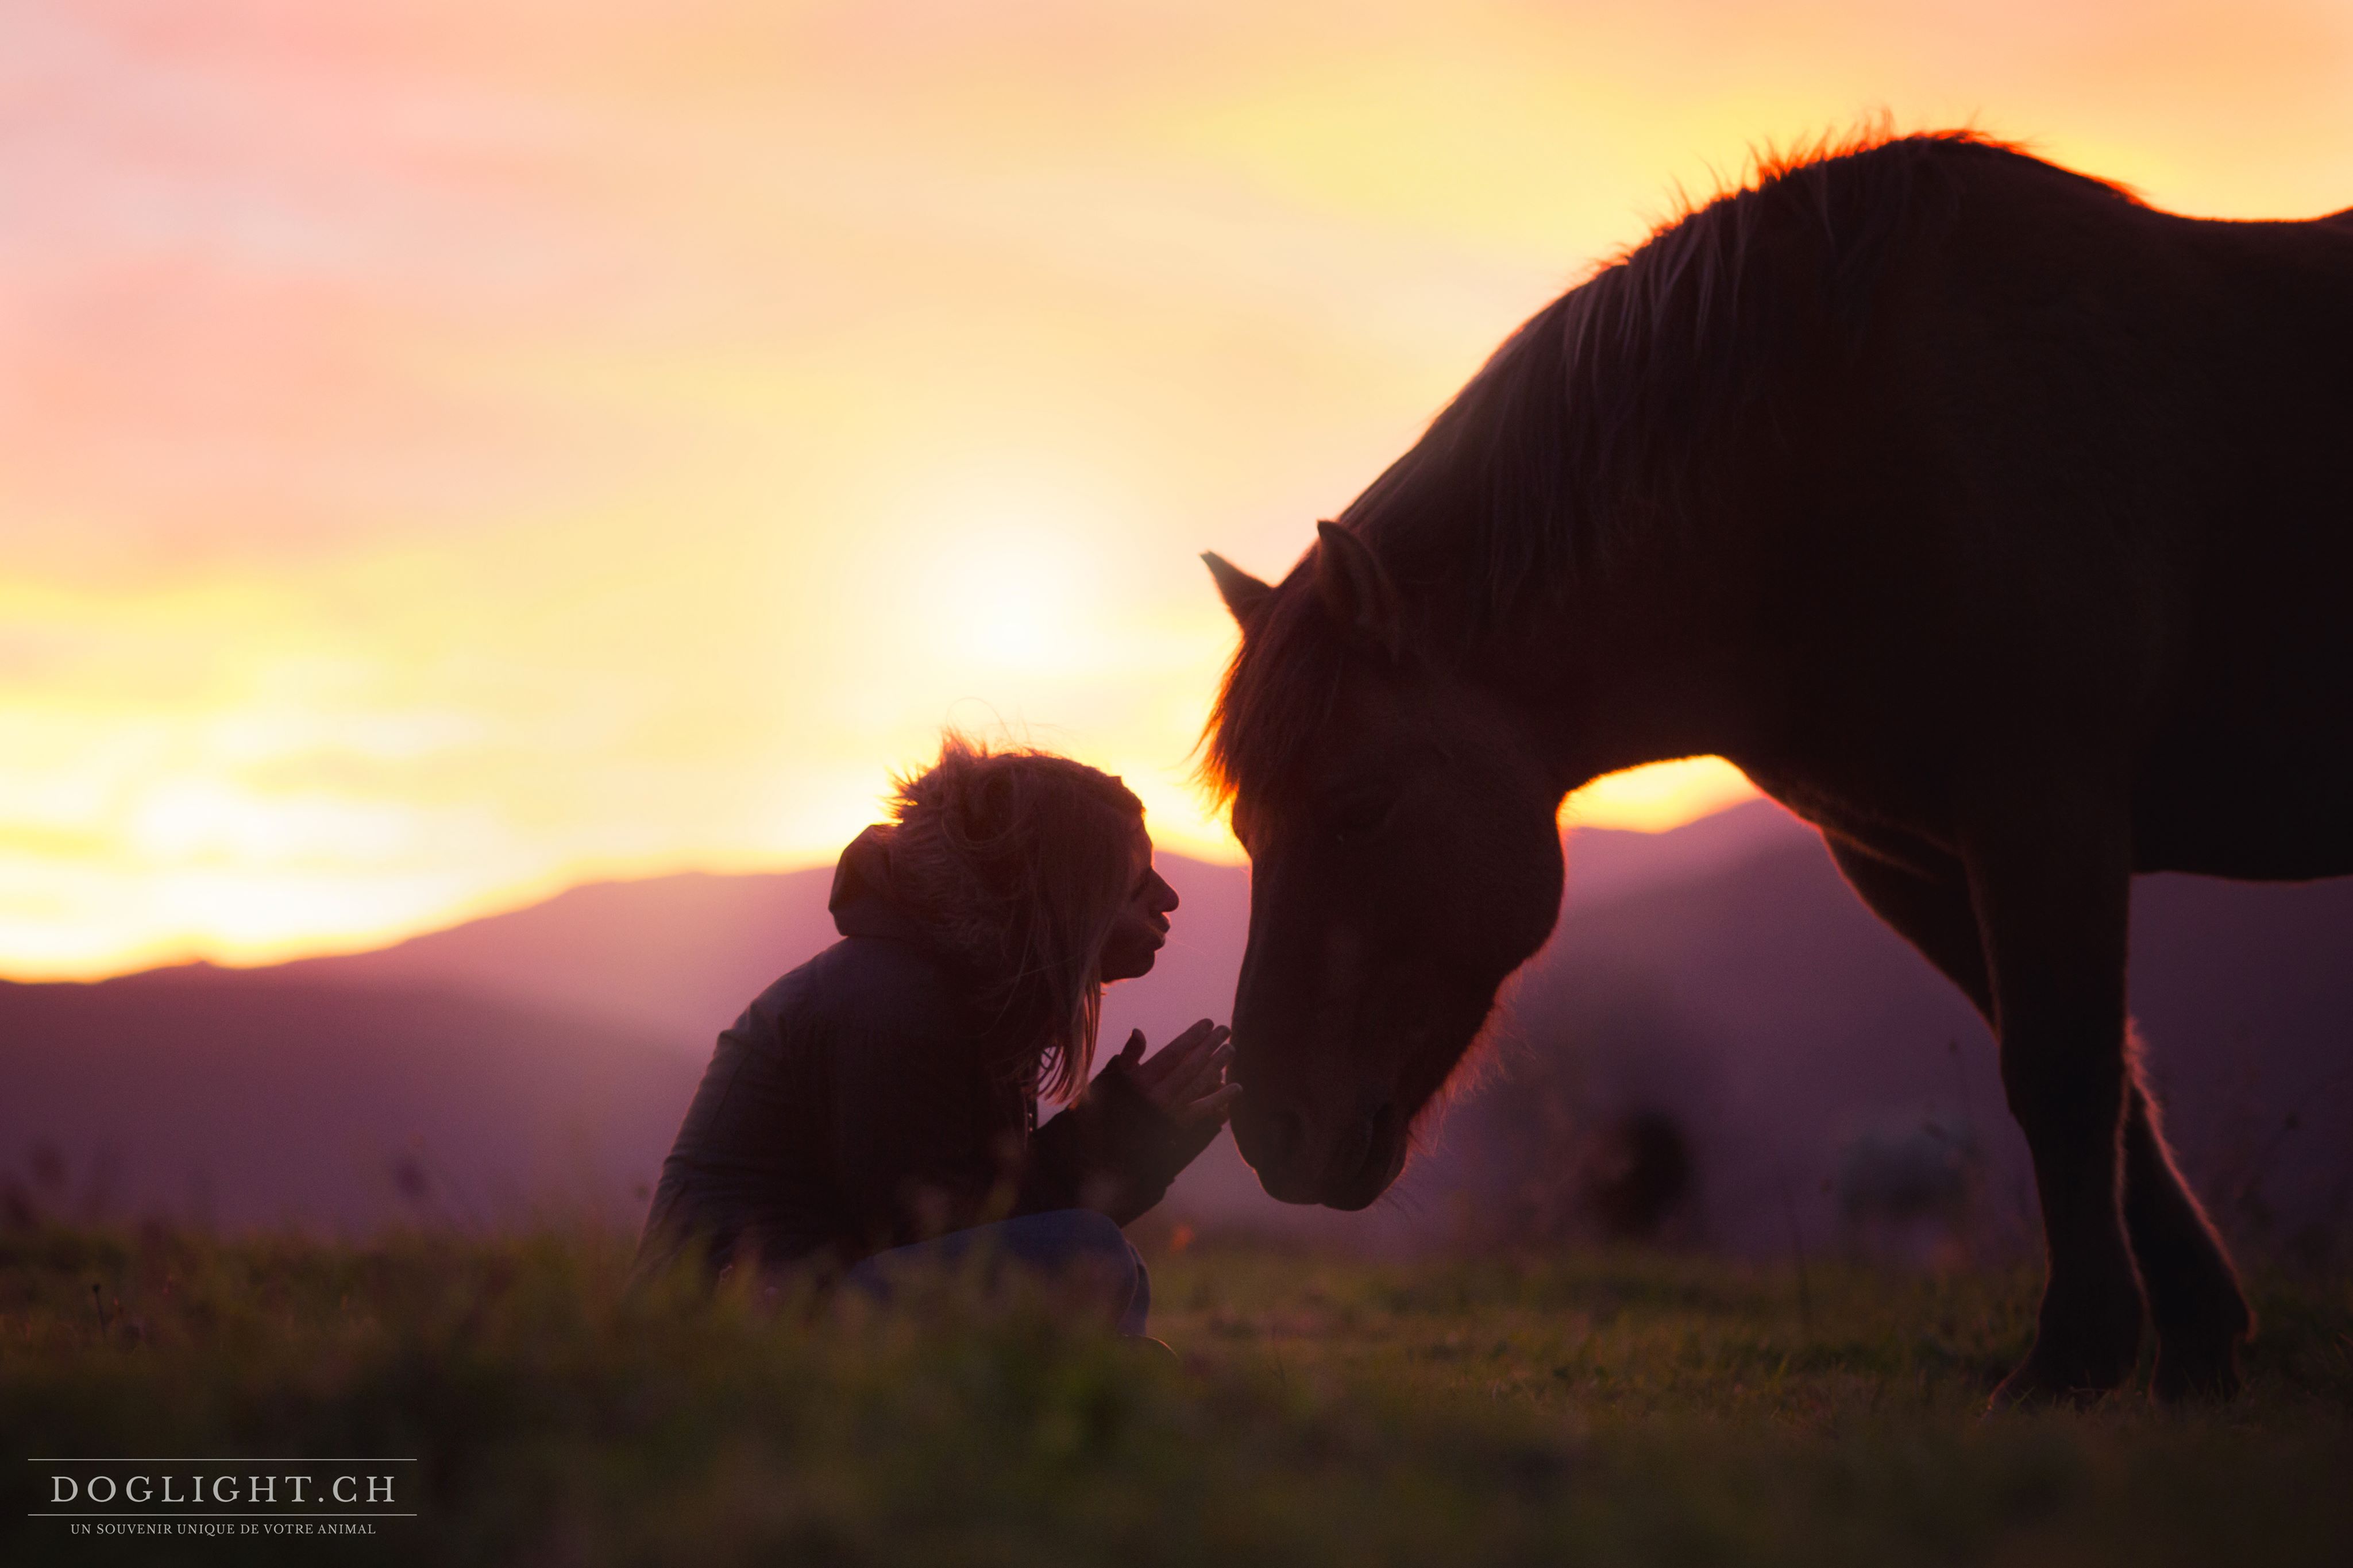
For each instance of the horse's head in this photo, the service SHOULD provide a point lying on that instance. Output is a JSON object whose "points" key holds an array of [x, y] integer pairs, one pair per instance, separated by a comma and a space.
{"points": [[1404, 860]]}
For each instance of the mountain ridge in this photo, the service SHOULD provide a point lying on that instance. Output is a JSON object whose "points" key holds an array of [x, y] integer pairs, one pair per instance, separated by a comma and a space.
{"points": [[1722, 975]]}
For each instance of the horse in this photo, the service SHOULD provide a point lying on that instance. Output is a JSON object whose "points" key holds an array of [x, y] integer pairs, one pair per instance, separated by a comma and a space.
{"points": [[1993, 522]]}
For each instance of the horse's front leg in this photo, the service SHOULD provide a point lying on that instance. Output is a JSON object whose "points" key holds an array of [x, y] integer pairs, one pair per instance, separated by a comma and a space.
{"points": [[2050, 882]]}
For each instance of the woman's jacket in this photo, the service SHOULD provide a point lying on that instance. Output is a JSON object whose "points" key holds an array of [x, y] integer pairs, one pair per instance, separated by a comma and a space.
{"points": [[860, 1103]]}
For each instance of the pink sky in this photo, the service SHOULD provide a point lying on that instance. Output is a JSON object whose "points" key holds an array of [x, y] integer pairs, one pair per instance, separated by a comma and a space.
{"points": [[448, 451]]}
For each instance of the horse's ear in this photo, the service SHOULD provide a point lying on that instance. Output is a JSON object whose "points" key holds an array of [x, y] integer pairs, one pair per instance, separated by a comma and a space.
{"points": [[1356, 587], [1244, 594]]}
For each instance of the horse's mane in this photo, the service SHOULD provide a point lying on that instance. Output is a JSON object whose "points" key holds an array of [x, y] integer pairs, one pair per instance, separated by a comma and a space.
{"points": [[1580, 434]]}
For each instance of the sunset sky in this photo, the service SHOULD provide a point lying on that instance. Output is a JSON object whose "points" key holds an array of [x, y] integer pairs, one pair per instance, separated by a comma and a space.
{"points": [[452, 450]]}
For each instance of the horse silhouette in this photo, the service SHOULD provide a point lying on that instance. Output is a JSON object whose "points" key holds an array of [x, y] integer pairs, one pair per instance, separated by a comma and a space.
{"points": [[1996, 523]]}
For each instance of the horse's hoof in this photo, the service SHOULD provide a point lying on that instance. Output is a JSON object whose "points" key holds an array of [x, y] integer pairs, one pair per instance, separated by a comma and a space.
{"points": [[2199, 1377], [2042, 1384], [2198, 1351], [2024, 1390]]}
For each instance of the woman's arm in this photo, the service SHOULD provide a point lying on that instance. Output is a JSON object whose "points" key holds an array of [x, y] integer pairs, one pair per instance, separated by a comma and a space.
{"points": [[929, 1138], [1139, 1123]]}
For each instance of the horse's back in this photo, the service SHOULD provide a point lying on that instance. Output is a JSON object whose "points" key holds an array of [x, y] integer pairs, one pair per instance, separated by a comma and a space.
{"points": [[2138, 423], [2208, 358], [2251, 772]]}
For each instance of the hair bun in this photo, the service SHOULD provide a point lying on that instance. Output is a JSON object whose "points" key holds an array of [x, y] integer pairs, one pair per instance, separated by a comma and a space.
{"points": [[987, 807]]}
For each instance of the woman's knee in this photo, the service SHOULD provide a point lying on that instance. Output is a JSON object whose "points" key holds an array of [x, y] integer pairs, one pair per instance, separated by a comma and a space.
{"points": [[1064, 1239], [1086, 1231]]}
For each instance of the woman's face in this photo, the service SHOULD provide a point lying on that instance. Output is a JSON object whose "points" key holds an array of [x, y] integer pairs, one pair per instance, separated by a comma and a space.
{"points": [[1142, 923]]}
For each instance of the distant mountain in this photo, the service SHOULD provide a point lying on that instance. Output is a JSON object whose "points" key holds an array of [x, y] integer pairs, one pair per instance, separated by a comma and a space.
{"points": [[247, 1098], [541, 1055], [674, 958], [679, 956], [1720, 974]]}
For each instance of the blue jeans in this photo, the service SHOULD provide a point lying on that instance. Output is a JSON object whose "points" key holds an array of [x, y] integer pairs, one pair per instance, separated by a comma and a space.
{"points": [[1061, 1243]]}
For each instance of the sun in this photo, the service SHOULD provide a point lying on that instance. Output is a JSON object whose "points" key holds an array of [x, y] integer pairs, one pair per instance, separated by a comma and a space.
{"points": [[1011, 600], [1011, 575]]}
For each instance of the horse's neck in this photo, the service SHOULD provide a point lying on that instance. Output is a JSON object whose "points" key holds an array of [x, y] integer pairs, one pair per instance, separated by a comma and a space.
{"points": [[1615, 675]]}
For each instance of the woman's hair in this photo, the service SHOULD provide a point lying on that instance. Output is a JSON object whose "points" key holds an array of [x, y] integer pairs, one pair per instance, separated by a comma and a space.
{"points": [[1020, 860]]}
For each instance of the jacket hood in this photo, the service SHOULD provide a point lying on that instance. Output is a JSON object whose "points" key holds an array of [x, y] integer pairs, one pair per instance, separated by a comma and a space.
{"points": [[866, 899]]}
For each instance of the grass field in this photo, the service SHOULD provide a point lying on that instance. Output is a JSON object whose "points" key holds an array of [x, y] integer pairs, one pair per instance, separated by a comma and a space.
{"points": [[1613, 1409]]}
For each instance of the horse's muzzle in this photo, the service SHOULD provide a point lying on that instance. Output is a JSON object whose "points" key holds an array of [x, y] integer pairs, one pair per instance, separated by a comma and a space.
{"points": [[1349, 1172]]}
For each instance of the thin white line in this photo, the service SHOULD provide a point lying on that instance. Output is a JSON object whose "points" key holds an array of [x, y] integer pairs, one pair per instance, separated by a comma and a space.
{"points": [[368, 1461]]}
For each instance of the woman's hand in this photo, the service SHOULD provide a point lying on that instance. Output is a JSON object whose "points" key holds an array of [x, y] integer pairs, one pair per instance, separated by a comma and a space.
{"points": [[1187, 1078]]}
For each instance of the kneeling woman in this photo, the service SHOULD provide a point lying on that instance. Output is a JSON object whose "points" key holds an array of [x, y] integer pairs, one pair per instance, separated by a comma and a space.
{"points": [[876, 1107]]}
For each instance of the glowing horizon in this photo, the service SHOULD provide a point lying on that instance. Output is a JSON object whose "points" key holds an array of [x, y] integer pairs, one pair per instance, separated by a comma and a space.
{"points": [[454, 451]]}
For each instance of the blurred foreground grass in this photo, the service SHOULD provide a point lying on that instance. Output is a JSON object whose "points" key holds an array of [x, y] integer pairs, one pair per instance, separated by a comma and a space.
{"points": [[1619, 1408]]}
